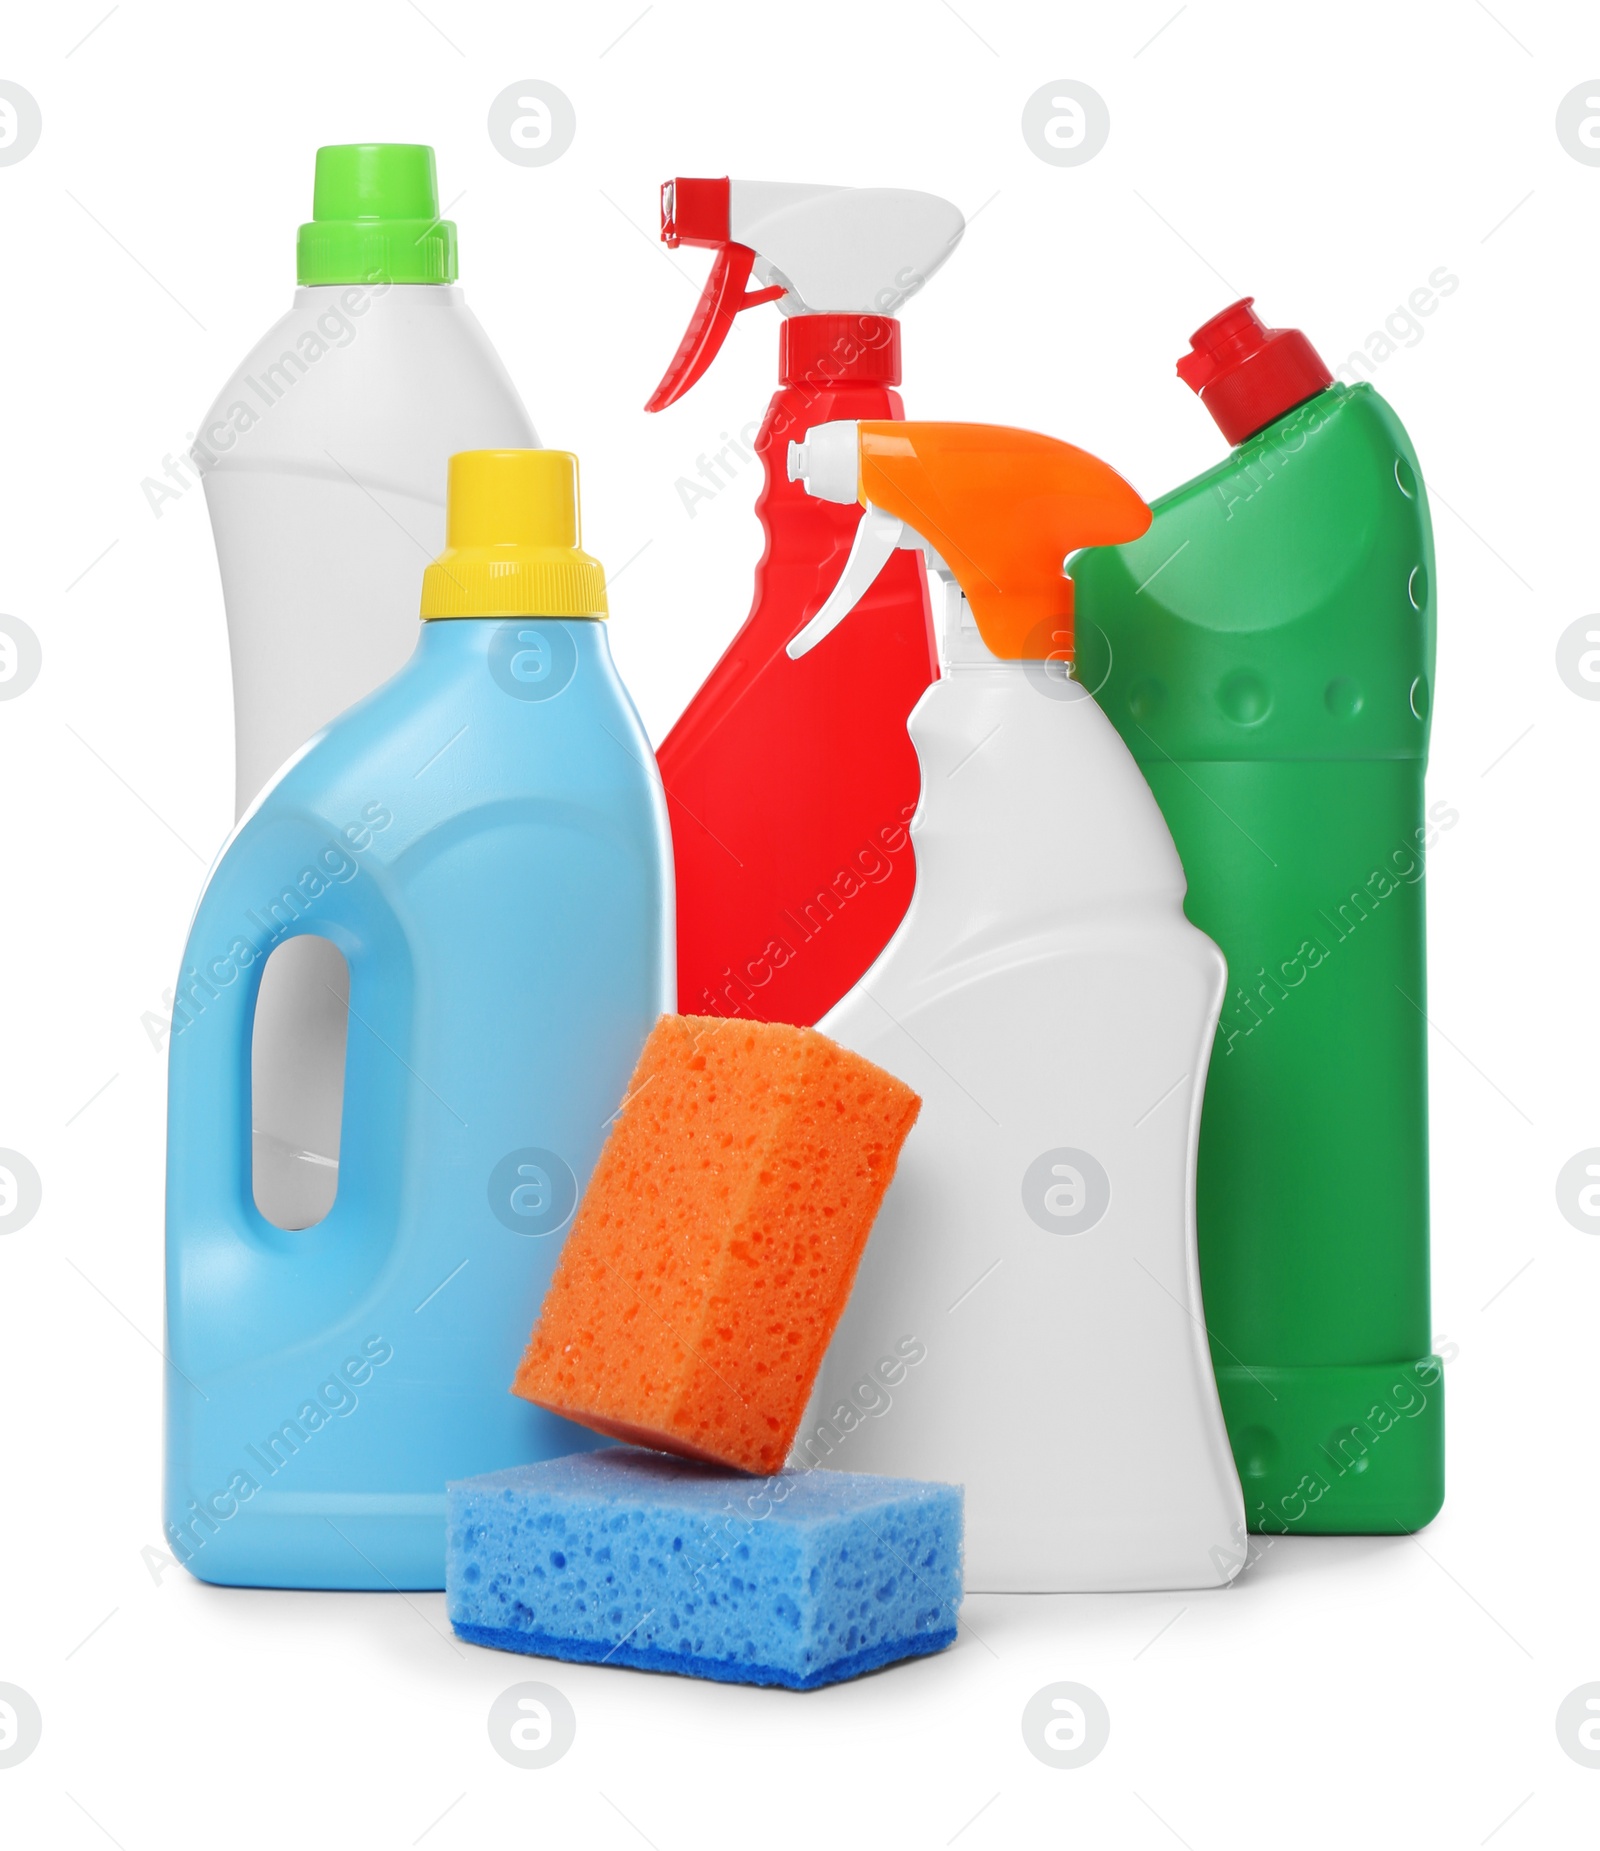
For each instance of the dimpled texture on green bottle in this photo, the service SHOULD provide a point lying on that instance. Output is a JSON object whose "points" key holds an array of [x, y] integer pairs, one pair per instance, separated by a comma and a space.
{"points": [[375, 218], [1266, 649]]}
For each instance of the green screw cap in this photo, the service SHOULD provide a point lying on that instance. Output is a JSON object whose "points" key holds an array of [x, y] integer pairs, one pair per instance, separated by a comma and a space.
{"points": [[375, 218]]}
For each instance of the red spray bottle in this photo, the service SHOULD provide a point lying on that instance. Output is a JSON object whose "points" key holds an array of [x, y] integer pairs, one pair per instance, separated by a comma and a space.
{"points": [[790, 783]]}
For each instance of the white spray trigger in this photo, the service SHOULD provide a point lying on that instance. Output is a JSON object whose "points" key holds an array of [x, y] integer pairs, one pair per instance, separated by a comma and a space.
{"points": [[877, 537]]}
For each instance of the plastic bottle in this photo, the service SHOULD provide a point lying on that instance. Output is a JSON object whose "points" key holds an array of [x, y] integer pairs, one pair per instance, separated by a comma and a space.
{"points": [[324, 463], [1267, 651], [790, 783], [1026, 1320], [485, 840]]}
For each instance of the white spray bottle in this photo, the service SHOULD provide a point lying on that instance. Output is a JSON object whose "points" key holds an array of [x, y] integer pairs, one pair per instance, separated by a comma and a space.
{"points": [[1055, 1009], [324, 462]]}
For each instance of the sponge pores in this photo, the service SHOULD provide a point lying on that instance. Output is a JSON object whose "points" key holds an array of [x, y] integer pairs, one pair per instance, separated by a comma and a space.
{"points": [[718, 1239]]}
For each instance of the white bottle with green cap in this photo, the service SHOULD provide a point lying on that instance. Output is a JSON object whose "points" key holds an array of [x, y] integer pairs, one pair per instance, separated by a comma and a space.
{"points": [[324, 463]]}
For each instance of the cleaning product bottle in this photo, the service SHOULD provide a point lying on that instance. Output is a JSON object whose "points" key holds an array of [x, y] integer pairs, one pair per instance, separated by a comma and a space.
{"points": [[1026, 1320], [790, 783], [484, 839], [1267, 652], [323, 461]]}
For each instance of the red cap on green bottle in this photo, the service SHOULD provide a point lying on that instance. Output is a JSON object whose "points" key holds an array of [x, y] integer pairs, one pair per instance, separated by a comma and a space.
{"points": [[1249, 375], [375, 218]]}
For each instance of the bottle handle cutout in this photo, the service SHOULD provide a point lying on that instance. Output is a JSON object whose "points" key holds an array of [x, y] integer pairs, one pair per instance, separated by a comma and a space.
{"points": [[233, 1250]]}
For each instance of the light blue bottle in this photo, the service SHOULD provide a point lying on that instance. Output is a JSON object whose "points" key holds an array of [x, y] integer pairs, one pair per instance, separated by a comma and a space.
{"points": [[485, 840]]}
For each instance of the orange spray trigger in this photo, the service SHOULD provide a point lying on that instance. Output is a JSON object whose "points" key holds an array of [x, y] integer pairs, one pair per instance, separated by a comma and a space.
{"points": [[1003, 509]]}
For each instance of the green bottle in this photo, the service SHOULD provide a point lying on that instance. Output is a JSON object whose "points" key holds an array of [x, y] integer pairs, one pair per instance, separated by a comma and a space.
{"points": [[1266, 649]]}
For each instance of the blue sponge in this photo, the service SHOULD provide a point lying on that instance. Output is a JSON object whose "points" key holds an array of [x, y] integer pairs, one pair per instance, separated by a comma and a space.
{"points": [[625, 1557]]}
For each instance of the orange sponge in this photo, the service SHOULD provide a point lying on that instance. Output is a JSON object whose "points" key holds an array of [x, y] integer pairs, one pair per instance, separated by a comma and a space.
{"points": [[718, 1239]]}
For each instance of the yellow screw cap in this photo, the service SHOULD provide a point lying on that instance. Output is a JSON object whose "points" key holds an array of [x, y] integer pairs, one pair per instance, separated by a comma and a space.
{"points": [[511, 540]]}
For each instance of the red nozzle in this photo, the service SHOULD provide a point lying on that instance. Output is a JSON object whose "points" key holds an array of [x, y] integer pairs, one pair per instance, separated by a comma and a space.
{"points": [[1248, 375], [696, 212]]}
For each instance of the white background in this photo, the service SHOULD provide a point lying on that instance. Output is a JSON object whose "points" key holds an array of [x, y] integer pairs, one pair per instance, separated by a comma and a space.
{"points": [[1326, 159]]}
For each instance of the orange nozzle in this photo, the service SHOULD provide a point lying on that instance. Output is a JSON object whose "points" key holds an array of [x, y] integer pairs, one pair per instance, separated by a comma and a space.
{"points": [[1003, 508]]}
